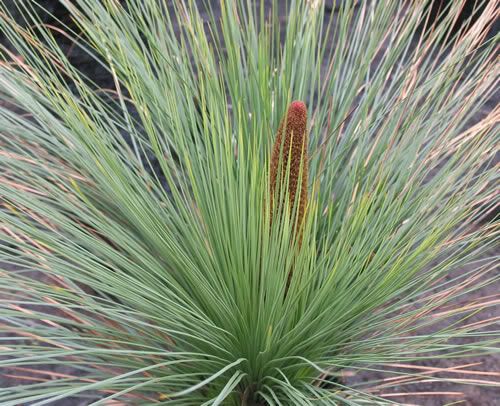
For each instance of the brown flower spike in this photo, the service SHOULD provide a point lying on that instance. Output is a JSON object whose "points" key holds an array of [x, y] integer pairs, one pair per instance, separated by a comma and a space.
{"points": [[291, 144]]}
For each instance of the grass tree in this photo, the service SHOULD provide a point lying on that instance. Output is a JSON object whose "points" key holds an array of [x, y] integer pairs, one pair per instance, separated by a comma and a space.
{"points": [[147, 245]]}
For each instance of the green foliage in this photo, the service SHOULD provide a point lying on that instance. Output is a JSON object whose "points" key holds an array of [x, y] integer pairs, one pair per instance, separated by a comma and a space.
{"points": [[149, 267]]}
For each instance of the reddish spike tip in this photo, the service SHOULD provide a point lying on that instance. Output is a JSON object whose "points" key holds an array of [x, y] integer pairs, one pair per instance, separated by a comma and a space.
{"points": [[298, 106]]}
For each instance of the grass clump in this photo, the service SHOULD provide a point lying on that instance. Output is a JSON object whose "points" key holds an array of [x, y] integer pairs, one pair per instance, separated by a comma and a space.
{"points": [[136, 220]]}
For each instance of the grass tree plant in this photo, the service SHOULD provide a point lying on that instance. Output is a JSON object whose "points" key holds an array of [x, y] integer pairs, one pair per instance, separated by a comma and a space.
{"points": [[145, 246]]}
